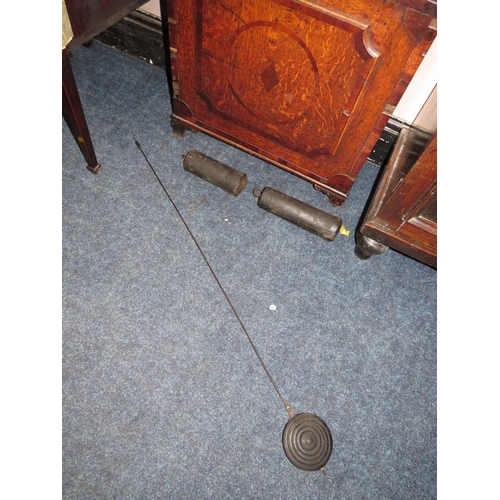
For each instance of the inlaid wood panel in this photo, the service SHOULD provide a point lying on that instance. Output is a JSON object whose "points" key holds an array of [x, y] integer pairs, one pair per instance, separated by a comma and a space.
{"points": [[299, 83], [266, 78]]}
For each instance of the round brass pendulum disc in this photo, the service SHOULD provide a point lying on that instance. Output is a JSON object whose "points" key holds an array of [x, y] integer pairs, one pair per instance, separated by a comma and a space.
{"points": [[307, 441]]}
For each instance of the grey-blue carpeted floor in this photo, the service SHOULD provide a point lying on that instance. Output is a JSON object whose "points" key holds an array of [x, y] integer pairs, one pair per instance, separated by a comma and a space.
{"points": [[163, 396]]}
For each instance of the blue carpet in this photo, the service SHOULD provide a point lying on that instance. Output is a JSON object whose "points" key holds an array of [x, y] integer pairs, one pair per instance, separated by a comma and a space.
{"points": [[163, 396]]}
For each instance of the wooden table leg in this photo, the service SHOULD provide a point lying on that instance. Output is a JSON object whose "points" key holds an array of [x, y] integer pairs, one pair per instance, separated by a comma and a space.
{"points": [[74, 115]]}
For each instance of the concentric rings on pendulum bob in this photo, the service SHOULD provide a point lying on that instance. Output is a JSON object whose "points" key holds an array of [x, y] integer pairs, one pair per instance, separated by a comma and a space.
{"points": [[307, 441]]}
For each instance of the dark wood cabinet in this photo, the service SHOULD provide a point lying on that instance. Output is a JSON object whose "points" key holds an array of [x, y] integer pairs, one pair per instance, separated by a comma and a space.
{"points": [[403, 212], [307, 86]]}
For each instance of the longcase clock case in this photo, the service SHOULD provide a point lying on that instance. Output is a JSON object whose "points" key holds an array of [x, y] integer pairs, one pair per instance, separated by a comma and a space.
{"points": [[304, 85]]}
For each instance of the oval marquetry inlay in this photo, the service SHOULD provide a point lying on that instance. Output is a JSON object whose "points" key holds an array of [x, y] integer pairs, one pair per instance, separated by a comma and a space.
{"points": [[292, 76], [275, 76]]}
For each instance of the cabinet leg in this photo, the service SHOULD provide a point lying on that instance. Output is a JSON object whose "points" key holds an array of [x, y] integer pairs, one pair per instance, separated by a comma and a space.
{"points": [[178, 130], [335, 200], [367, 247], [74, 115]]}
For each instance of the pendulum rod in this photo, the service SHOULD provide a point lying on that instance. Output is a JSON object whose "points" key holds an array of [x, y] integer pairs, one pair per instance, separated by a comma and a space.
{"points": [[287, 406]]}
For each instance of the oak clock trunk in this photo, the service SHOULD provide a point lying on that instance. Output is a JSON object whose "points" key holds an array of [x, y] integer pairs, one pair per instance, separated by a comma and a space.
{"points": [[304, 85]]}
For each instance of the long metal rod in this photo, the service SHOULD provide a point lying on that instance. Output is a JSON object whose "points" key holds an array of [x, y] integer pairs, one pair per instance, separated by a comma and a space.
{"points": [[287, 406]]}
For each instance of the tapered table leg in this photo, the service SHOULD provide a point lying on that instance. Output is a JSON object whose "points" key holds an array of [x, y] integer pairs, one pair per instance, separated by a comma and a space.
{"points": [[74, 115]]}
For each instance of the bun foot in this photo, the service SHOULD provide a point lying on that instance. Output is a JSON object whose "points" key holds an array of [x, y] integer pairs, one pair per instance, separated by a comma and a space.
{"points": [[367, 247]]}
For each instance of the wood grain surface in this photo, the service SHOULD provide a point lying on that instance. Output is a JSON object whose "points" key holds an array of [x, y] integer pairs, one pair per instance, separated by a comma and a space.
{"points": [[299, 83]]}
